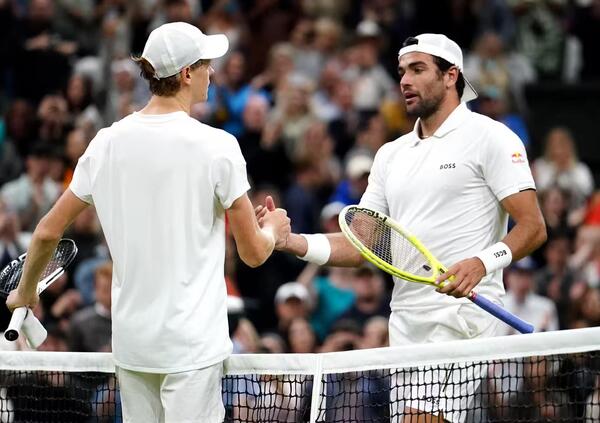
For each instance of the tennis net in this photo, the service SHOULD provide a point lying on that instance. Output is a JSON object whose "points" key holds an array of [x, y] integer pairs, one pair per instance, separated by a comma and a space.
{"points": [[553, 376]]}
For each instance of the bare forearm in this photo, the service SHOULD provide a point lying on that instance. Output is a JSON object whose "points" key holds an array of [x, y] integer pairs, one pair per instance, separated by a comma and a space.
{"points": [[525, 237], [343, 254], [40, 253]]}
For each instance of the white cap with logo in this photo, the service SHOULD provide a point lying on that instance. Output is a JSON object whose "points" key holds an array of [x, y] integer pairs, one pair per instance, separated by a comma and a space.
{"points": [[441, 46], [173, 46]]}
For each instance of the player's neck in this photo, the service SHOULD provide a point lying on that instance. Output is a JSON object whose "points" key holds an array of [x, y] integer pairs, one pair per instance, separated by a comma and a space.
{"points": [[428, 125], [159, 105]]}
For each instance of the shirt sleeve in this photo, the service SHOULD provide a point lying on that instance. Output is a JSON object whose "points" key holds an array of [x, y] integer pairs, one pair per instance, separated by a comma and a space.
{"points": [[81, 184], [505, 165], [229, 173], [374, 196]]}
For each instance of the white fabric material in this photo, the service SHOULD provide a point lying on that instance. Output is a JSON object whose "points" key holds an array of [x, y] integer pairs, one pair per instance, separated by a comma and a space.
{"points": [[495, 257], [446, 190], [161, 185], [441, 46], [173, 46], [318, 249], [187, 397], [438, 389]]}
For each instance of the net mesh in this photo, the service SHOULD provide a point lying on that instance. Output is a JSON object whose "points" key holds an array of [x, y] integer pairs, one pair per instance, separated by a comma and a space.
{"points": [[548, 377], [389, 245], [11, 275]]}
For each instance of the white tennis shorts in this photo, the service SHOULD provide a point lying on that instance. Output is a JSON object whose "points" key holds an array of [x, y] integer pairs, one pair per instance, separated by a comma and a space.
{"points": [[186, 397], [448, 388]]}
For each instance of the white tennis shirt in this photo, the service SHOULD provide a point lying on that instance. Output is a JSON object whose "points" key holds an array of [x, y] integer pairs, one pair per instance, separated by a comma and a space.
{"points": [[161, 184], [446, 190]]}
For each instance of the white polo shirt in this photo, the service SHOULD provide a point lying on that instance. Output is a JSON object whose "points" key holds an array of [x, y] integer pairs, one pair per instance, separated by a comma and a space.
{"points": [[446, 190], [161, 184]]}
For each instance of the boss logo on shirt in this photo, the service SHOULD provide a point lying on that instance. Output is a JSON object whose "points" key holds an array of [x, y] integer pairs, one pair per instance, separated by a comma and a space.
{"points": [[448, 166]]}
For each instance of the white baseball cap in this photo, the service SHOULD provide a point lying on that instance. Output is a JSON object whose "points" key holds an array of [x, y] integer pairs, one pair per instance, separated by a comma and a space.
{"points": [[292, 290], [173, 46], [441, 46]]}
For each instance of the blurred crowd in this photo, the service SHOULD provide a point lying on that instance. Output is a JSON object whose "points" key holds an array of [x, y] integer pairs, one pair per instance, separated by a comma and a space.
{"points": [[310, 90]]}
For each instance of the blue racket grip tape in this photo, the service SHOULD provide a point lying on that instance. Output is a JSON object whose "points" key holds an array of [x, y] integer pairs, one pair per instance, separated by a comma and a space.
{"points": [[502, 314]]}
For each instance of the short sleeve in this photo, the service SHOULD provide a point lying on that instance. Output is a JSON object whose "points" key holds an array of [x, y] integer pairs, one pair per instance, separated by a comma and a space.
{"points": [[81, 184], [228, 172], [374, 196], [505, 165]]}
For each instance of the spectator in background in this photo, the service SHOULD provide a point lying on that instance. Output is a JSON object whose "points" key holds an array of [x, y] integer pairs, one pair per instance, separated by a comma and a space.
{"points": [[85, 231], [40, 47], [292, 114], [555, 280], [265, 165], [560, 166], [280, 65], [90, 327], [82, 110], [301, 336], [375, 333], [351, 189], [541, 34], [228, 97], [345, 125], [307, 59], [370, 81], [292, 301], [522, 301], [490, 65], [21, 126], [32, 195], [301, 197], [11, 164], [77, 141], [371, 298], [53, 118], [492, 102]]}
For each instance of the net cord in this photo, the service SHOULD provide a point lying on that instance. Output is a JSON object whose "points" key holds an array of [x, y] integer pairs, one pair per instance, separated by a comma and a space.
{"points": [[498, 348]]}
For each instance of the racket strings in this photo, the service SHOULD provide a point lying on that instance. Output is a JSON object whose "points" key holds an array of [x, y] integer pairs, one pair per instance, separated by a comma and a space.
{"points": [[63, 254], [387, 244]]}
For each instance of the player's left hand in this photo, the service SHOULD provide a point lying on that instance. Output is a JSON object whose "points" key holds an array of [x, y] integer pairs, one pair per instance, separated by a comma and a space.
{"points": [[467, 274]]}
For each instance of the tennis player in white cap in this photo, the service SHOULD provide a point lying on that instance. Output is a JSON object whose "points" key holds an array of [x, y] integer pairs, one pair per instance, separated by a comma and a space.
{"points": [[453, 182], [161, 183]]}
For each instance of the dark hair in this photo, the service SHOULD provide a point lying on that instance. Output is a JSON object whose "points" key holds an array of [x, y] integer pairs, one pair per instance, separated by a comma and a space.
{"points": [[164, 87], [442, 64]]}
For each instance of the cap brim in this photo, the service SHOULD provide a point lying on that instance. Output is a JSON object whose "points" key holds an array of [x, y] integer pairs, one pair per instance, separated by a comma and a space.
{"points": [[469, 93], [215, 46]]}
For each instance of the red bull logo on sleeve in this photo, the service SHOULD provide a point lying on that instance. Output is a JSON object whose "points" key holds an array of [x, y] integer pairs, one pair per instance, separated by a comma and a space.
{"points": [[518, 157]]}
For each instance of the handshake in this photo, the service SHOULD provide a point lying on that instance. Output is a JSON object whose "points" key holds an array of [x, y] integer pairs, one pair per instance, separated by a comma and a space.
{"points": [[275, 221]]}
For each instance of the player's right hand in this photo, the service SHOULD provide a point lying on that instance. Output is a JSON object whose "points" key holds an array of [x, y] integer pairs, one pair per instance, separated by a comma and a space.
{"points": [[18, 299], [276, 219]]}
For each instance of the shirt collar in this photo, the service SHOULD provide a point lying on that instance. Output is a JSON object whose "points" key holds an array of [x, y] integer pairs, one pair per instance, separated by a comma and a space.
{"points": [[453, 121]]}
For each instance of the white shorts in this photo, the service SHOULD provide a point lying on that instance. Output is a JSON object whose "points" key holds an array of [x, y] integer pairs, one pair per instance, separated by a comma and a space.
{"points": [[186, 397], [448, 388]]}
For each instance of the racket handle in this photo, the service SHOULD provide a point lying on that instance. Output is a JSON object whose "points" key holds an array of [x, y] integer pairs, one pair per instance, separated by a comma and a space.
{"points": [[501, 313], [34, 331], [16, 321]]}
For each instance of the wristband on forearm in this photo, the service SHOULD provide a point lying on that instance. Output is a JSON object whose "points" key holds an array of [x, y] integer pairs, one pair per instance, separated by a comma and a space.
{"points": [[496, 257], [318, 249]]}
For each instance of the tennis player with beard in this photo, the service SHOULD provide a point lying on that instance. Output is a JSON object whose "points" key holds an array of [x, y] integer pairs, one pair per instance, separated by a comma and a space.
{"points": [[162, 183], [453, 182]]}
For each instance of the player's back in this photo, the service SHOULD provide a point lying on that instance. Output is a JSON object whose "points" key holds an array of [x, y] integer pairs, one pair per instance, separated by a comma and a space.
{"points": [[156, 182]]}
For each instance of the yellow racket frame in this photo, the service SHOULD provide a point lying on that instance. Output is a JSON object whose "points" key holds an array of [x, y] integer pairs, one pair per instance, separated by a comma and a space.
{"points": [[437, 267]]}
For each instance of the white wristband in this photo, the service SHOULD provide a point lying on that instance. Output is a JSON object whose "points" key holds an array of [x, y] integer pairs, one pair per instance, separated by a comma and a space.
{"points": [[496, 257], [318, 250]]}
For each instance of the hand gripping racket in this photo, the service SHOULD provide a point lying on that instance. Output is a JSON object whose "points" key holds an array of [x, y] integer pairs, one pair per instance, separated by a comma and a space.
{"points": [[65, 252], [387, 245]]}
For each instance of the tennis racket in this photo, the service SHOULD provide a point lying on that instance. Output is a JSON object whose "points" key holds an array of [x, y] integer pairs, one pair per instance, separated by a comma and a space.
{"points": [[65, 252], [387, 245]]}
